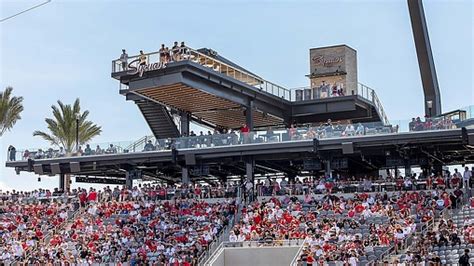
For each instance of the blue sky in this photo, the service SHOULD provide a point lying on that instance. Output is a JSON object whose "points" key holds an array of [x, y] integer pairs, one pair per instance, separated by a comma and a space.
{"points": [[64, 50]]}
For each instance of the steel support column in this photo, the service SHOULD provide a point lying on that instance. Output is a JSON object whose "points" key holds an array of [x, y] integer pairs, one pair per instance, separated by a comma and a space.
{"points": [[185, 175], [62, 182], [328, 168], [249, 115], [425, 58], [249, 171], [408, 170], [128, 180], [185, 119]]}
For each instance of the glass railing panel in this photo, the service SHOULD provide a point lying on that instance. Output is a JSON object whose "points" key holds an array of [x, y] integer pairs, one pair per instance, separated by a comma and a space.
{"points": [[321, 131]]}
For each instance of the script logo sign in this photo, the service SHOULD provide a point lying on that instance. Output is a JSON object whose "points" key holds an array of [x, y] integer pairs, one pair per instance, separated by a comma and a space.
{"points": [[321, 60], [135, 68]]}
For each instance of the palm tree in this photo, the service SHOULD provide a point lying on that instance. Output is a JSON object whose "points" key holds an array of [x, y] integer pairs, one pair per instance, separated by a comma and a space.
{"points": [[10, 109], [64, 125]]}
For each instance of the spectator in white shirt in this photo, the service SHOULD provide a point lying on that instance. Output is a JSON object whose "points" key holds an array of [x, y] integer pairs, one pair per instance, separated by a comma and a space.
{"points": [[241, 238], [467, 177], [232, 237]]}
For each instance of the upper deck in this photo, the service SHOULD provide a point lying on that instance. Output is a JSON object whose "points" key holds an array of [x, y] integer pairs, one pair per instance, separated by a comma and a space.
{"points": [[218, 93]]}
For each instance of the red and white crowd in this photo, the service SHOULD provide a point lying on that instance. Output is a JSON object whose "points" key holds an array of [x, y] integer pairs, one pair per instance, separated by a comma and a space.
{"points": [[174, 225], [136, 226], [337, 228], [24, 226]]}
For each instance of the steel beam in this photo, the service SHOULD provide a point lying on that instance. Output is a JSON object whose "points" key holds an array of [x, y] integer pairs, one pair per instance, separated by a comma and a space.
{"points": [[426, 64]]}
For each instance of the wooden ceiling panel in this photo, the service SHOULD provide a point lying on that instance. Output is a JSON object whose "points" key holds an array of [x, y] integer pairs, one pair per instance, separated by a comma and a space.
{"points": [[235, 118], [205, 106], [185, 98]]}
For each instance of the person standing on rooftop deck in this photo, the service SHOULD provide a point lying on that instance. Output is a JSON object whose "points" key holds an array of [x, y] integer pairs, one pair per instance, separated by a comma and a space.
{"points": [[167, 55], [183, 51], [323, 90], [162, 53], [124, 59], [175, 51], [142, 58], [11, 153]]}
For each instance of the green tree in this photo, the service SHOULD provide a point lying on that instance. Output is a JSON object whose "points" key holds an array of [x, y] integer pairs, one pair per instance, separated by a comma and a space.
{"points": [[62, 128], [10, 109]]}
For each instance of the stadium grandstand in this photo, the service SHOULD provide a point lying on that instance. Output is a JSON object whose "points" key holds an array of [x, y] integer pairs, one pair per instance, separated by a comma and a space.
{"points": [[315, 175]]}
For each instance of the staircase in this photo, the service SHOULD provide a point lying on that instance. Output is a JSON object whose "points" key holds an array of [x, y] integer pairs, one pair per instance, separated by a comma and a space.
{"points": [[159, 120]]}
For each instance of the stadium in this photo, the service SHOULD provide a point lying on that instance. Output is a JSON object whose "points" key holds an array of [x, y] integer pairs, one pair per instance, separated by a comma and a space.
{"points": [[239, 170]]}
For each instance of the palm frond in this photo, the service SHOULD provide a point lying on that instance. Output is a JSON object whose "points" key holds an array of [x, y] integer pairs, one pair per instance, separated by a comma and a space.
{"points": [[63, 126], [10, 109]]}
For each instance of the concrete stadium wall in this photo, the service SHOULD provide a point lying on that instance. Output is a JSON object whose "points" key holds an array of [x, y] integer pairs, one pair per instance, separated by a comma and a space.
{"points": [[256, 256]]}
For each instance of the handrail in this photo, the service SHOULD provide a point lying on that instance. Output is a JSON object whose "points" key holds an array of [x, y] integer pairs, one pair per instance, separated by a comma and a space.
{"points": [[139, 142], [216, 245], [294, 262], [212, 257], [370, 94]]}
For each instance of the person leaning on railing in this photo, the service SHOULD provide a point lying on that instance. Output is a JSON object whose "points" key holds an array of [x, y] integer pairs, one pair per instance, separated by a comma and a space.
{"points": [[183, 51], [143, 58], [162, 52], [175, 51]]}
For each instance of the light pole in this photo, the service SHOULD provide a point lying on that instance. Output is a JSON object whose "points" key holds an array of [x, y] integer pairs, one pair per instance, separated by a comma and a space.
{"points": [[429, 104], [78, 117]]}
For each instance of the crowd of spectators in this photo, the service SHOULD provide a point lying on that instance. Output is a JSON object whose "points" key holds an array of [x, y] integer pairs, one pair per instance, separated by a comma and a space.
{"points": [[151, 224], [164, 224], [61, 152], [448, 241], [341, 229], [27, 218], [139, 232], [177, 52], [416, 124], [338, 183]]}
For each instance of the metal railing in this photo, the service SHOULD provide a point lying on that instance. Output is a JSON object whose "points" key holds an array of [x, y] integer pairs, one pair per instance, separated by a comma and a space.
{"points": [[139, 145], [362, 90], [294, 262], [217, 244], [187, 53], [370, 95]]}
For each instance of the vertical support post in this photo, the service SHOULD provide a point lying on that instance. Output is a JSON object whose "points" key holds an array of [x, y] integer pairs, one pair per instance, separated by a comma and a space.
{"points": [[62, 182], [249, 171], [249, 115], [184, 118], [407, 170], [185, 175], [129, 180], [328, 168]]}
